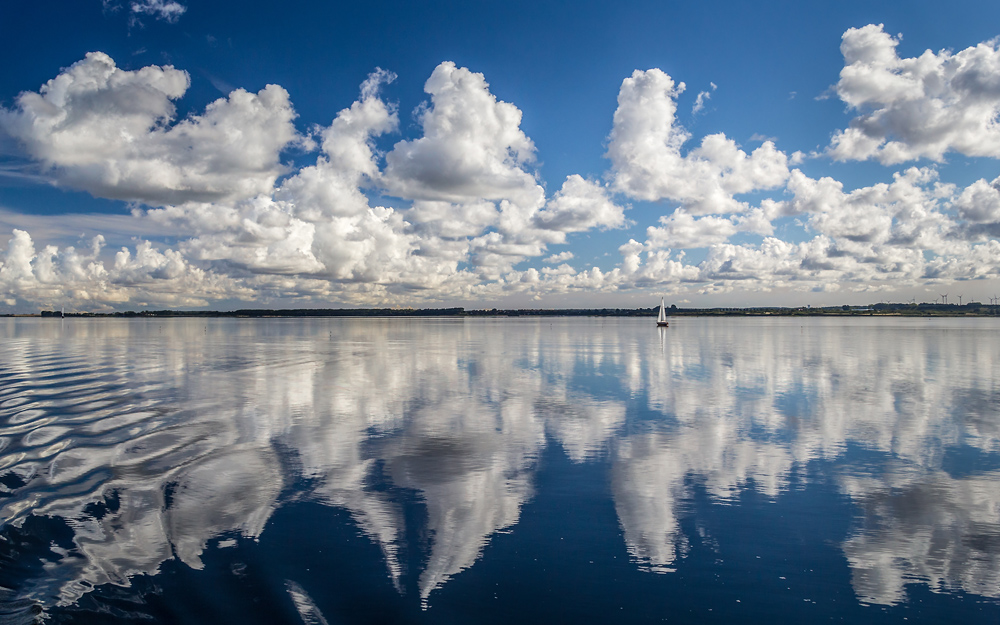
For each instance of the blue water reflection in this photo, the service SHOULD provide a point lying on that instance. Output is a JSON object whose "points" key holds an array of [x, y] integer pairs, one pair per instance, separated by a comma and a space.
{"points": [[450, 470]]}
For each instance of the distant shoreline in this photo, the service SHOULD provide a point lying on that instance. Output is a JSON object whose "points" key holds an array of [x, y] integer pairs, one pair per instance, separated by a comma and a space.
{"points": [[973, 309]]}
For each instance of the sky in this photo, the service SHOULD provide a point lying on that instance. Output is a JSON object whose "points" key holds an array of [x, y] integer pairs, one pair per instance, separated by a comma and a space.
{"points": [[191, 154]]}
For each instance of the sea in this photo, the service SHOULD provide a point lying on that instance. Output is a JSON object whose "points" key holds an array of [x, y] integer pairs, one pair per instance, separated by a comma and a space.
{"points": [[500, 470]]}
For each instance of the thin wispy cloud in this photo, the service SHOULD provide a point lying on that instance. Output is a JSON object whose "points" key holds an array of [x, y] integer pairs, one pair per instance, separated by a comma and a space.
{"points": [[703, 96], [167, 10]]}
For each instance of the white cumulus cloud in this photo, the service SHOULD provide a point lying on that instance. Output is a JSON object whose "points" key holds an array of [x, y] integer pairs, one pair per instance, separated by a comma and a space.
{"points": [[580, 205], [980, 202], [472, 147], [920, 107], [561, 257], [112, 132], [647, 163], [681, 230]]}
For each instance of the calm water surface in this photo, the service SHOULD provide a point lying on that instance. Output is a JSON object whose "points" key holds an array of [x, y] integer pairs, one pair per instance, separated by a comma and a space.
{"points": [[498, 471]]}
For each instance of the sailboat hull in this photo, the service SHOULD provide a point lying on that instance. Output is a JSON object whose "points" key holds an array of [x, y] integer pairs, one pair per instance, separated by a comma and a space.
{"points": [[662, 324]]}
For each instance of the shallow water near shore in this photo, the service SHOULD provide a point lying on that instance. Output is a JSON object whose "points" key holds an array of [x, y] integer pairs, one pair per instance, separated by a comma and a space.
{"points": [[500, 470]]}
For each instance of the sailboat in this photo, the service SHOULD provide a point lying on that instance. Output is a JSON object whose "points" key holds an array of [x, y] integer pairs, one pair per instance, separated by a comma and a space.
{"points": [[661, 320]]}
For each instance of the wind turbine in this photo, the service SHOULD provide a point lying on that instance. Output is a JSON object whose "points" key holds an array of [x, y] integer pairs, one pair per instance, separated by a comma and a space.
{"points": [[959, 300], [944, 298]]}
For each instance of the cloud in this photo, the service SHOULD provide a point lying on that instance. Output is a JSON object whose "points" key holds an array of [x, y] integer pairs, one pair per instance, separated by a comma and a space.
{"points": [[868, 236], [681, 231], [349, 162], [580, 205], [56, 277], [111, 132], [887, 235], [921, 107], [452, 221], [454, 214], [703, 96], [979, 203], [468, 172], [70, 227], [904, 213], [167, 10], [647, 164], [472, 147], [317, 229], [561, 257]]}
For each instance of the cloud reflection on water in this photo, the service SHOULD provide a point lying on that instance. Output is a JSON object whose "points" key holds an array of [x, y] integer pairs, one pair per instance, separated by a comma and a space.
{"points": [[152, 438]]}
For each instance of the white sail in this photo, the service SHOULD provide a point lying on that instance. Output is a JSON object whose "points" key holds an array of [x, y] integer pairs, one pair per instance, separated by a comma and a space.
{"points": [[663, 313]]}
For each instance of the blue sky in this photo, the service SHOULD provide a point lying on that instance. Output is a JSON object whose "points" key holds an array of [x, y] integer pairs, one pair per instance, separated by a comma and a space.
{"points": [[568, 168]]}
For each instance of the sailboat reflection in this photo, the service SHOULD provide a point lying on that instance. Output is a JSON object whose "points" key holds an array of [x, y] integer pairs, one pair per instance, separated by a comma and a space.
{"points": [[149, 442]]}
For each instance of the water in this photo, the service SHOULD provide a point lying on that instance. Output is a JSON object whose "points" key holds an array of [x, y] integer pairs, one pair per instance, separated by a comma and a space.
{"points": [[497, 471]]}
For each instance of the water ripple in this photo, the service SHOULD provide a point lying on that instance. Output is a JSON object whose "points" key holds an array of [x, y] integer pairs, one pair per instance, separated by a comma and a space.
{"points": [[71, 424], [119, 455]]}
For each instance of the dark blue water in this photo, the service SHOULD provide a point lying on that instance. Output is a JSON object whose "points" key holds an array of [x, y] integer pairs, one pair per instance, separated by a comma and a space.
{"points": [[495, 471]]}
